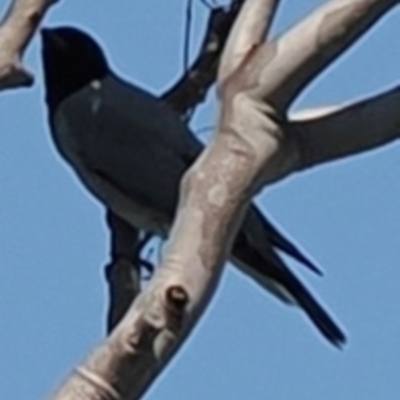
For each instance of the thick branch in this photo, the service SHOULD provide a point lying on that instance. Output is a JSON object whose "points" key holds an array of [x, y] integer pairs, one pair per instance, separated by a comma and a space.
{"points": [[285, 67], [16, 30], [249, 30], [351, 130]]}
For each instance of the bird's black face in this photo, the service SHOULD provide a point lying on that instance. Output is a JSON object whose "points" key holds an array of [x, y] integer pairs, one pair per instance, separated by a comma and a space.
{"points": [[71, 59]]}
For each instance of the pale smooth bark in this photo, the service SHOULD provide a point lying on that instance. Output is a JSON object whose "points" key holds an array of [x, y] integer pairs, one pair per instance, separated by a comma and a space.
{"points": [[16, 29], [319, 135], [337, 132], [249, 31], [300, 54], [254, 143]]}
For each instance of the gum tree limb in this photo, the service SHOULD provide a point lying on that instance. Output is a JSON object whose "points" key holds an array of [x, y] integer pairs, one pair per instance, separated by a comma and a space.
{"points": [[309, 47], [248, 32], [251, 146], [345, 131]]}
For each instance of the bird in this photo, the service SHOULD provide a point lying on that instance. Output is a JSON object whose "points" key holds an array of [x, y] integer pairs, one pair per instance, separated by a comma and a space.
{"points": [[130, 150]]}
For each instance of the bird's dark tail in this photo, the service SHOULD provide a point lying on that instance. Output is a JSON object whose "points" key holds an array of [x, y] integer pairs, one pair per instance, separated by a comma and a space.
{"points": [[271, 272], [278, 240]]}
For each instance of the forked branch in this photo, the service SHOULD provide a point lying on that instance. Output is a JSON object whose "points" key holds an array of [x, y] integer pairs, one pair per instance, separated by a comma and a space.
{"points": [[254, 144], [309, 47]]}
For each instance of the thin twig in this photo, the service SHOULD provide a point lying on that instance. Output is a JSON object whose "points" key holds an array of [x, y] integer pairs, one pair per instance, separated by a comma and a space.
{"points": [[191, 89]]}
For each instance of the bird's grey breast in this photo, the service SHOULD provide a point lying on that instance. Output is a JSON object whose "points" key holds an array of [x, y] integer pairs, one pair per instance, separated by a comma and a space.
{"points": [[87, 144], [72, 123]]}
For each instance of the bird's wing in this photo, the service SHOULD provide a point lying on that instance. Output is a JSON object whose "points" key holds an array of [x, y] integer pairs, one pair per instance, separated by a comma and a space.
{"points": [[130, 140], [259, 229]]}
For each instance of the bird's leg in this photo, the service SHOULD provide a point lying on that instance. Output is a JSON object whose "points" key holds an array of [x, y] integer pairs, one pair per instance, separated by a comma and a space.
{"points": [[123, 271], [141, 262]]}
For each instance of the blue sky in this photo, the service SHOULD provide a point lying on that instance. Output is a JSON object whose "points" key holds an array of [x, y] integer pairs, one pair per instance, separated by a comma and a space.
{"points": [[53, 241]]}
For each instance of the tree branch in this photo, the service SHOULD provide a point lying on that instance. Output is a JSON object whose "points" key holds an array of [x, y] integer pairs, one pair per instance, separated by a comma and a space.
{"points": [[350, 130], [16, 30], [310, 46], [191, 89], [248, 32], [252, 145]]}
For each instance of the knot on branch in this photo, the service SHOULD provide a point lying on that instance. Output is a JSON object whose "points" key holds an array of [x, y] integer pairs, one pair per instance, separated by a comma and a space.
{"points": [[167, 312], [160, 323], [177, 298]]}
